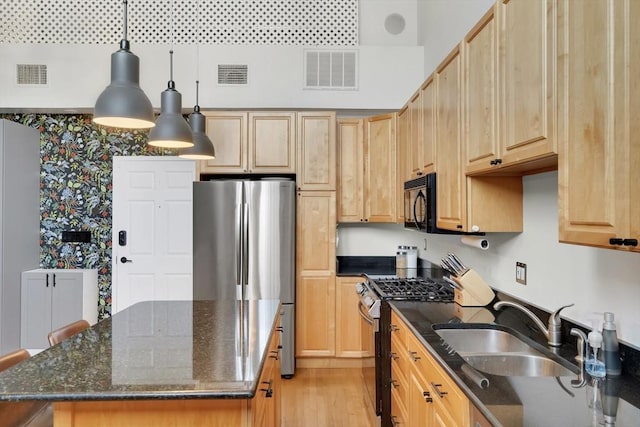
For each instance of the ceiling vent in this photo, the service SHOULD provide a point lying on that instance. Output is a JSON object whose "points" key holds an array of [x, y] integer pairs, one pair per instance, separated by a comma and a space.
{"points": [[232, 74], [31, 74], [326, 69]]}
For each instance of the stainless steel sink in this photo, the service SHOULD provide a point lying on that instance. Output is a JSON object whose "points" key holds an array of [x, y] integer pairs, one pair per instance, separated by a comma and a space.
{"points": [[499, 352], [517, 365], [482, 341]]}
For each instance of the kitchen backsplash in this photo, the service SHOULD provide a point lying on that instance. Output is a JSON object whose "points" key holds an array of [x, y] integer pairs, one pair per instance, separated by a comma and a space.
{"points": [[76, 190]]}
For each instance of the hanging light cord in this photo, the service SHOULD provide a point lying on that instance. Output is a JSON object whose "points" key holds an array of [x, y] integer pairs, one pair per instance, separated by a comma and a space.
{"points": [[172, 84], [124, 43]]}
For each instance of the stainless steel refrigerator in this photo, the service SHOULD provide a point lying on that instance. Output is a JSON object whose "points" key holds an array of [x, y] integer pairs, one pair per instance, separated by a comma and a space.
{"points": [[244, 247]]}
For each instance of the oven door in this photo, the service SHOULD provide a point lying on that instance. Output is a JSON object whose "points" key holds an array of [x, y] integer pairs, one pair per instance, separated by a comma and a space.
{"points": [[370, 336]]}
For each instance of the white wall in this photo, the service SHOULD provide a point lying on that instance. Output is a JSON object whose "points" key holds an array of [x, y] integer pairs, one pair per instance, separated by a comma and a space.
{"points": [[443, 23], [372, 15], [596, 280], [78, 73]]}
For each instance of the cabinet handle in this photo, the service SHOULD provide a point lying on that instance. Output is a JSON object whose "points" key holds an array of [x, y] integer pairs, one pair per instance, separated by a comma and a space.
{"points": [[394, 421], [493, 162], [269, 390], [419, 173], [626, 242], [441, 394], [47, 279], [274, 354], [414, 356], [395, 384], [361, 219], [616, 241], [366, 220], [280, 329], [394, 356], [394, 328], [427, 397], [459, 226], [54, 280]]}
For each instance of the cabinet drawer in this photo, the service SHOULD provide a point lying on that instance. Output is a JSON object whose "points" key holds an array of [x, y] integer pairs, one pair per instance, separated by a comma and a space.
{"points": [[399, 382], [399, 416], [444, 392]]}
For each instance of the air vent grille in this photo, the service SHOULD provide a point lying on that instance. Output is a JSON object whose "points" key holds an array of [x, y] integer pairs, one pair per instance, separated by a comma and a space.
{"points": [[31, 74], [331, 69], [232, 74]]}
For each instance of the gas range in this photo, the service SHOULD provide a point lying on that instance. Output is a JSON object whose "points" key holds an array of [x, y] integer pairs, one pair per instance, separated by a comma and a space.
{"points": [[392, 288]]}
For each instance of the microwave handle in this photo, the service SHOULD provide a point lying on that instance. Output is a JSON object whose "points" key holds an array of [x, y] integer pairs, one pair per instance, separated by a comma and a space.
{"points": [[419, 196]]}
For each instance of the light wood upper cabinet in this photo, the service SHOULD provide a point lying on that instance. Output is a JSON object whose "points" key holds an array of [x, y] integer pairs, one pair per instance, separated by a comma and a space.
{"points": [[480, 99], [380, 172], [256, 142], [316, 165], [272, 147], [528, 75], [599, 150], [451, 185], [228, 132], [403, 167], [350, 170], [416, 134], [428, 126]]}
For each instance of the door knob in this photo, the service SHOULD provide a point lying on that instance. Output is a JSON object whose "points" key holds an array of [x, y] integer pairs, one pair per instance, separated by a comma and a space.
{"points": [[124, 259]]}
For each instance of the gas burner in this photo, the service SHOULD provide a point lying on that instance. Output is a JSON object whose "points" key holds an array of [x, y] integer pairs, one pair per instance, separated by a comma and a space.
{"points": [[418, 289]]}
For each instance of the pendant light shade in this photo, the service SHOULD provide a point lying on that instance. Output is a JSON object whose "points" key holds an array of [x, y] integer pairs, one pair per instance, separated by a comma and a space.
{"points": [[171, 129], [123, 104], [203, 148]]}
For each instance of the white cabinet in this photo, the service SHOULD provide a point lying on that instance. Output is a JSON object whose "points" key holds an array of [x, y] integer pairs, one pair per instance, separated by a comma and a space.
{"points": [[54, 298]]}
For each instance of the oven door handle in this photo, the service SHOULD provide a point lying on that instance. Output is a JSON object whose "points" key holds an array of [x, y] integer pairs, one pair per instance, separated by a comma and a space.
{"points": [[364, 314], [419, 196]]}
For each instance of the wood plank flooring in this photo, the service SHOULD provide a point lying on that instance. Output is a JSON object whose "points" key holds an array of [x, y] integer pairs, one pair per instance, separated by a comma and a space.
{"points": [[326, 398]]}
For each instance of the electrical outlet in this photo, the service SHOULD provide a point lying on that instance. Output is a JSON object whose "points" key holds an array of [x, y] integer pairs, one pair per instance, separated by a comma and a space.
{"points": [[521, 273]]}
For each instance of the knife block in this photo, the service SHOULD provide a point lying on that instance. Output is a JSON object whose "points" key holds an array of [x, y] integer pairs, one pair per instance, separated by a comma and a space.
{"points": [[474, 292]]}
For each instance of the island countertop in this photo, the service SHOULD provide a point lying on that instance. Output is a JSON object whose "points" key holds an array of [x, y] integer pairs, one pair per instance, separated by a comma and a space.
{"points": [[154, 350]]}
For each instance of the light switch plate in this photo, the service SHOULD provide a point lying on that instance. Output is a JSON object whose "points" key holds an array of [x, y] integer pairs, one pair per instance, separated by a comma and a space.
{"points": [[521, 273]]}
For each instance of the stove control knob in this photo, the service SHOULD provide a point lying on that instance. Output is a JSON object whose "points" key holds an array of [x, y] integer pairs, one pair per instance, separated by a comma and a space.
{"points": [[368, 301], [360, 288]]}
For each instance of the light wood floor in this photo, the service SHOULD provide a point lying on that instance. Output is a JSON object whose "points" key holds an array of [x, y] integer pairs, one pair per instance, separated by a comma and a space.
{"points": [[325, 398]]}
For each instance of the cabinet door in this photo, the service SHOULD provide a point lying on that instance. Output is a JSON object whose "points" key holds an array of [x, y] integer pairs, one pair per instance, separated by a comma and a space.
{"points": [[420, 401], [228, 132], [315, 316], [428, 127], [480, 94], [316, 232], [350, 170], [528, 74], [35, 316], [380, 175], [403, 164], [316, 165], [451, 184], [67, 299], [631, 122], [354, 335], [417, 149], [591, 162], [272, 147]]}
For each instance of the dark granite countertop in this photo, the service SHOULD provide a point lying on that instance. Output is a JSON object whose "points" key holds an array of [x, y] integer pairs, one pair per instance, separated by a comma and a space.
{"points": [[380, 266], [154, 350], [543, 401]]}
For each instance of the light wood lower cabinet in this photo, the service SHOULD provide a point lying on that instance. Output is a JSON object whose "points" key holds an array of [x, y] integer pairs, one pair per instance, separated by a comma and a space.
{"points": [[354, 335], [431, 398]]}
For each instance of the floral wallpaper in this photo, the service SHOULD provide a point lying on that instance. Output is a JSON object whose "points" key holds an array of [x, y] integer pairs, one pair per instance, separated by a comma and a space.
{"points": [[76, 190]]}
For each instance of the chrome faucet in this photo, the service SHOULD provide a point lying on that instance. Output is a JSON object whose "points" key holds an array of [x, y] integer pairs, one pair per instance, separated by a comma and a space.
{"points": [[553, 333]]}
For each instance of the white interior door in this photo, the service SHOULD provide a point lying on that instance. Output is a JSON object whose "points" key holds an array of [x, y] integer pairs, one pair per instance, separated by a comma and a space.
{"points": [[152, 230]]}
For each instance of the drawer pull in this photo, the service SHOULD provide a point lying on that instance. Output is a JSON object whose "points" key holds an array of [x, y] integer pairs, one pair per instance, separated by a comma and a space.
{"points": [[427, 397], [394, 421], [395, 384], [414, 356], [441, 394], [394, 356], [274, 354], [394, 328], [269, 390]]}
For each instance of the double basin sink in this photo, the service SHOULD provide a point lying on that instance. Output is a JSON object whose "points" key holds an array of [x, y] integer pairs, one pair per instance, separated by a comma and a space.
{"points": [[499, 352]]}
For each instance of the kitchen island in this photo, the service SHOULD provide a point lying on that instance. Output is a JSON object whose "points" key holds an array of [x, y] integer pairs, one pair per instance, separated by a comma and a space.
{"points": [[161, 363]]}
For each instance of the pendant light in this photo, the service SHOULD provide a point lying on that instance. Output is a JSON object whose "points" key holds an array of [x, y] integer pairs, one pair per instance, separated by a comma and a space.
{"points": [[171, 130], [203, 148], [123, 104]]}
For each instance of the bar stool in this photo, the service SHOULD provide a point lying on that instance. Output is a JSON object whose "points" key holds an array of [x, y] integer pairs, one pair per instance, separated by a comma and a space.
{"points": [[30, 413], [67, 331]]}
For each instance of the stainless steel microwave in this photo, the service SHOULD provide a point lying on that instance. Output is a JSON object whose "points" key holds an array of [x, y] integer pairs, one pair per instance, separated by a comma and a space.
{"points": [[420, 205]]}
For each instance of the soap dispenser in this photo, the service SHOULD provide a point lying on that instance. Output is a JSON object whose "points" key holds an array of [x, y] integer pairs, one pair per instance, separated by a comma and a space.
{"points": [[610, 346], [594, 362]]}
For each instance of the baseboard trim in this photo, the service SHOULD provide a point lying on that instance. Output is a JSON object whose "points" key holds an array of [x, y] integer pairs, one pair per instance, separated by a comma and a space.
{"points": [[328, 362]]}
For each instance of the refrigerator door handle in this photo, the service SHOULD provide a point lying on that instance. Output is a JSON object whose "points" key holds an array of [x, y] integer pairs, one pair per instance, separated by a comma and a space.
{"points": [[238, 244], [245, 245]]}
